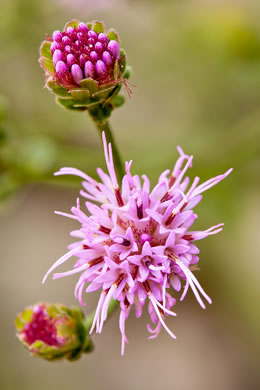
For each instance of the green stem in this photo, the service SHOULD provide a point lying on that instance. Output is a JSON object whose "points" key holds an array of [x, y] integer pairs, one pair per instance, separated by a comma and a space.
{"points": [[104, 126], [89, 320]]}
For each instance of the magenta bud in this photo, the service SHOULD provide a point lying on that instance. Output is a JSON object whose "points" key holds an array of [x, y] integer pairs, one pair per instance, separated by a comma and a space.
{"points": [[77, 44], [54, 46], [107, 59], [80, 35], [91, 42], [100, 68], [89, 69], [93, 56], [67, 49], [71, 59], [57, 56], [57, 36], [103, 38], [66, 40], [92, 34], [76, 72], [99, 47], [82, 59], [83, 28], [69, 30], [61, 68], [113, 48]]}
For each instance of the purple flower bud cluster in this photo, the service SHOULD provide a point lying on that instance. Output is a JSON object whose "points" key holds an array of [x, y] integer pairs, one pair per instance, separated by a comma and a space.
{"points": [[79, 53]]}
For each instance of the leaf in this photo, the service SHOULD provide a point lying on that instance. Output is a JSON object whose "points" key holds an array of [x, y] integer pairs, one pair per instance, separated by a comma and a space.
{"points": [[104, 93], [89, 84], [80, 94], [19, 324], [45, 49], [113, 35], [47, 64], [123, 60], [118, 101], [57, 89], [70, 104], [128, 72], [98, 27]]}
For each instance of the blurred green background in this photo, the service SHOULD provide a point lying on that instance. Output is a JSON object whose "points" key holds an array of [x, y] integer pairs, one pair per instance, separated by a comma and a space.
{"points": [[197, 84]]}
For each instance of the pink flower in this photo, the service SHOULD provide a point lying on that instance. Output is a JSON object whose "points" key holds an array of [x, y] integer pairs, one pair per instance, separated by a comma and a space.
{"points": [[137, 243]]}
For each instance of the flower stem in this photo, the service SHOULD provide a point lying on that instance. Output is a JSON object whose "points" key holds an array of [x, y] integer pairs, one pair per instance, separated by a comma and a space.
{"points": [[89, 319], [104, 126]]}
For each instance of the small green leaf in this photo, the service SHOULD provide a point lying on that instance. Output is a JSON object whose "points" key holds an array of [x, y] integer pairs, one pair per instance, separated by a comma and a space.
{"points": [[73, 23], [113, 35], [27, 315], [122, 60], [80, 94], [118, 101], [19, 324], [57, 89], [98, 27], [47, 64], [104, 93], [70, 104], [45, 49], [89, 84], [89, 25], [128, 72]]}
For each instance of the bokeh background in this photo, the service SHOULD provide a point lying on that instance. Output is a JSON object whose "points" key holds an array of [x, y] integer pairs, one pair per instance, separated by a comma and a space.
{"points": [[197, 83]]}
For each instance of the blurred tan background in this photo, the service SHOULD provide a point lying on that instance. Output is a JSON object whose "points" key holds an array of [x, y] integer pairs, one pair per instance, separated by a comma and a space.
{"points": [[197, 76]]}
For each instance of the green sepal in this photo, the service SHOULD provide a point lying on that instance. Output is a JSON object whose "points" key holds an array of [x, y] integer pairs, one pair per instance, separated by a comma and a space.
{"points": [[117, 101], [98, 27], [104, 93], [70, 104], [45, 49], [113, 35], [47, 64], [57, 89], [80, 94], [128, 72], [73, 23], [19, 324], [123, 61], [89, 84]]}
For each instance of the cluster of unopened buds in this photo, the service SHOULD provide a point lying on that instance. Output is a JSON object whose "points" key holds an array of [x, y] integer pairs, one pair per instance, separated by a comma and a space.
{"points": [[80, 52]]}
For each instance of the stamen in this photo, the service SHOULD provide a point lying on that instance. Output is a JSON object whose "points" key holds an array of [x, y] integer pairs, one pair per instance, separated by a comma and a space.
{"points": [[104, 229], [119, 197]]}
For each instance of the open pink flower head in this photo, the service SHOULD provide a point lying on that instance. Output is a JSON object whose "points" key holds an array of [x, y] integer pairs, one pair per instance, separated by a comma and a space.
{"points": [[137, 242]]}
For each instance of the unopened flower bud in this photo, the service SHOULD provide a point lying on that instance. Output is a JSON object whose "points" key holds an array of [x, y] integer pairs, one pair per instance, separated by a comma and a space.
{"points": [[106, 57], [71, 59], [100, 68], [61, 68], [89, 70], [76, 73], [103, 38], [57, 36], [57, 56], [64, 58], [113, 48], [53, 331], [93, 56]]}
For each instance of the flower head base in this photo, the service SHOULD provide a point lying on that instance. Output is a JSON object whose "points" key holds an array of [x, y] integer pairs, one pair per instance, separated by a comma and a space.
{"points": [[137, 243], [84, 65], [53, 331]]}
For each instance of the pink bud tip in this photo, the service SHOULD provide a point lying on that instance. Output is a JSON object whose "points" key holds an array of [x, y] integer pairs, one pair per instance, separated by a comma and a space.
{"points": [[57, 36], [83, 28], [66, 40], [113, 48], [100, 68], [54, 46], [103, 38], [99, 47], [89, 69], [61, 68], [106, 57], [92, 34], [57, 56], [71, 59], [76, 73], [82, 59], [94, 56]]}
